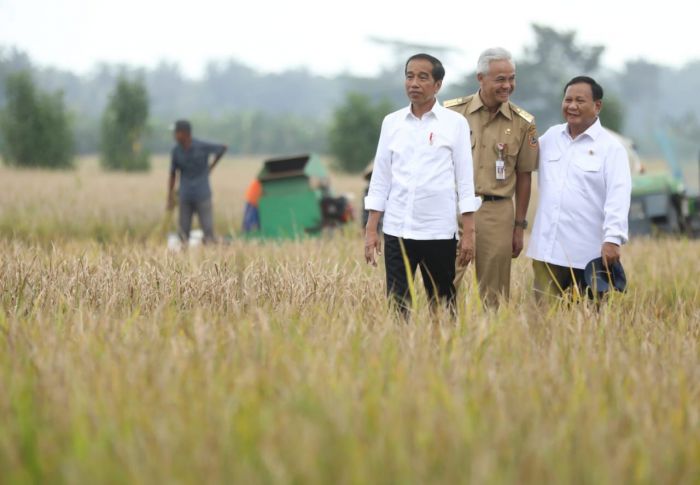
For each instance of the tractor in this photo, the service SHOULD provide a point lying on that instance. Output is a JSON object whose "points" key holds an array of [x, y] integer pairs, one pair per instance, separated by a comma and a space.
{"points": [[662, 202]]}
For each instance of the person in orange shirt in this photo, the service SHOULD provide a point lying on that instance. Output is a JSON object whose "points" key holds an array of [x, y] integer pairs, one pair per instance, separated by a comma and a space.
{"points": [[251, 216]]}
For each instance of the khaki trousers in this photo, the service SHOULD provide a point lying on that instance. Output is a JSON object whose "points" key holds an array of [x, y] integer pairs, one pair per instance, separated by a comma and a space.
{"points": [[493, 251], [553, 282]]}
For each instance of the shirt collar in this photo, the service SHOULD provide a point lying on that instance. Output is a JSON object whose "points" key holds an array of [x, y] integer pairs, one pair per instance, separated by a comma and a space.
{"points": [[477, 104], [436, 110], [593, 131]]}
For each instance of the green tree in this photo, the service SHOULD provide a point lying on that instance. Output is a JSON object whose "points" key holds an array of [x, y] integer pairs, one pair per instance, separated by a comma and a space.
{"points": [[123, 127], [34, 125], [555, 58], [355, 130], [641, 88], [612, 116]]}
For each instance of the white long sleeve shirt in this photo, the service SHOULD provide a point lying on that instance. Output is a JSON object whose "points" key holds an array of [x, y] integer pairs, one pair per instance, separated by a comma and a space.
{"points": [[423, 172], [584, 196]]}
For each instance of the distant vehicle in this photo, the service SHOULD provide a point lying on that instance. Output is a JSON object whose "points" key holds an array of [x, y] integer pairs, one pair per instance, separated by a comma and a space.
{"points": [[297, 199], [661, 202]]}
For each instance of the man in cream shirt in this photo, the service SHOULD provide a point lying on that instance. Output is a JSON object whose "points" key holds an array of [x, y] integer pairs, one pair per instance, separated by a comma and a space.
{"points": [[584, 187], [422, 175]]}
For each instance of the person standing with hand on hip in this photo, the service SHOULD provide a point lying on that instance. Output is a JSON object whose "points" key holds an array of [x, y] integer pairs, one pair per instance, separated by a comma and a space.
{"points": [[422, 174], [190, 158]]}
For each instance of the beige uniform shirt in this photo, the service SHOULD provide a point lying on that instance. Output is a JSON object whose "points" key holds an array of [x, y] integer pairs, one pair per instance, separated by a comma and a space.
{"points": [[512, 128]]}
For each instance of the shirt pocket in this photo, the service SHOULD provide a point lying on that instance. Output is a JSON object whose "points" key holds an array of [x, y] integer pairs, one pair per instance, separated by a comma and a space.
{"points": [[586, 173], [549, 165], [512, 149], [441, 149], [588, 163], [438, 140]]}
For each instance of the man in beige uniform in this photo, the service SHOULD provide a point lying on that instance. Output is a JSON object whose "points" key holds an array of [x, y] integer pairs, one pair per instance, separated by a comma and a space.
{"points": [[505, 152]]}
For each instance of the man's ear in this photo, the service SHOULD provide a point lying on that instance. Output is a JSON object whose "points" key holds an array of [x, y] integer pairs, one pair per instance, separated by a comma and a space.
{"points": [[438, 84], [598, 106], [480, 77]]}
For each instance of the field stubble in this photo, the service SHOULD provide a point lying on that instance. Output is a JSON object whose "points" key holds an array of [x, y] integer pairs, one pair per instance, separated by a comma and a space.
{"points": [[256, 363]]}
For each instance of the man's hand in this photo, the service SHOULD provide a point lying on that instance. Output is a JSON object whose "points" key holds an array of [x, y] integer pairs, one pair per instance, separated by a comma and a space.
{"points": [[610, 254], [518, 241], [465, 252], [373, 246]]}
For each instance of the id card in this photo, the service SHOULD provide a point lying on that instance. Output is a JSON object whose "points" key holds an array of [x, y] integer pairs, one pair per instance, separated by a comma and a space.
{"points": [[500, 164], [500, 170]]}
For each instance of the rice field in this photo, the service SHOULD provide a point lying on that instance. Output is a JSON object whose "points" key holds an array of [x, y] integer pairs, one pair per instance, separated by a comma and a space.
{"points": [[249, 362]]}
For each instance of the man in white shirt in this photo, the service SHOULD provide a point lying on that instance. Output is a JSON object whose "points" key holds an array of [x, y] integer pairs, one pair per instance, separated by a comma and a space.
{"points": [[584, 193], [422, 174]]}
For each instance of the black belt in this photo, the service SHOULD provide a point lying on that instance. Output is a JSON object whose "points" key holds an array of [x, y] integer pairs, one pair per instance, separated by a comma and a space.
{"points": [[492, 198]]}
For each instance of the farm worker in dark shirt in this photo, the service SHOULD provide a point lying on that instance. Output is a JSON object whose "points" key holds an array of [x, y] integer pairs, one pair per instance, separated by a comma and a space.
{"points": [[190, 157]]}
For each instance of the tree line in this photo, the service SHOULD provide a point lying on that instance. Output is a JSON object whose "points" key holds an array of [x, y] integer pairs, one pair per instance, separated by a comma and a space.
{"points": [[125, 113], [37, 130]]}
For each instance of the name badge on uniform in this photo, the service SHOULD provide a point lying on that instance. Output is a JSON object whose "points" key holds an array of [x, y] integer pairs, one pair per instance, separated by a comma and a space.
{"points": [[500, 164]]}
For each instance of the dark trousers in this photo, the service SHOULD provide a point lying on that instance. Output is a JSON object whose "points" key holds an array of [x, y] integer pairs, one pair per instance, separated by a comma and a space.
{"points": [[436, 260], [203, 209]]}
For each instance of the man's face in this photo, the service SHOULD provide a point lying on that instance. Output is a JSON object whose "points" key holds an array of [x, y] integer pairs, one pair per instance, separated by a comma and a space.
{"points": [[182, 137], [498, 84], [578, 107], [421, 87]]}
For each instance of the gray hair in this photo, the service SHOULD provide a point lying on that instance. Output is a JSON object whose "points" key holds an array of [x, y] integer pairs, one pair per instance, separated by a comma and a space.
{"points": [[491, 55]]}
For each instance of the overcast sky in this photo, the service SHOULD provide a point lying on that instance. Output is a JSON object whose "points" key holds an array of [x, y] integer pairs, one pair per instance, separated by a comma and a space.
{"points": [[330, 37]]}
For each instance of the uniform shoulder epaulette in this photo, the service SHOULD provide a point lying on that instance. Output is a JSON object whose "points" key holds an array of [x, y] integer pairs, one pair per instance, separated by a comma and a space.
{"points": [[523, 114], [457, 101]]}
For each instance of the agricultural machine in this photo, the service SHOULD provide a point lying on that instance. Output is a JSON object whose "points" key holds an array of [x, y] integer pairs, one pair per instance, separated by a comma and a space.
{"points": [[662, 202], [297, 199]]}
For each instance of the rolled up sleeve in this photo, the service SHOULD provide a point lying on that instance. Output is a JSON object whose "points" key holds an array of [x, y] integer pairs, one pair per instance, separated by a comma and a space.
{"points": [[380, 184], [464, 171], [618, 185]]}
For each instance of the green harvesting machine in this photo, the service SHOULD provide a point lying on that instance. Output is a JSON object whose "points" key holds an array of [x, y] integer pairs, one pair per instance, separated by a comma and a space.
{"points": [[297, 200]]}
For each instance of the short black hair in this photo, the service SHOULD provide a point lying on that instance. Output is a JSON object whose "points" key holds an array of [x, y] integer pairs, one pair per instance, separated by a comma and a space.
{"points": [[183, 126], [596, 88], [438, 68]]}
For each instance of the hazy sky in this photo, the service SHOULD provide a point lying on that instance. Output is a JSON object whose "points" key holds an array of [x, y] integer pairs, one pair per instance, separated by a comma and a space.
{"points": [[329, 37]]}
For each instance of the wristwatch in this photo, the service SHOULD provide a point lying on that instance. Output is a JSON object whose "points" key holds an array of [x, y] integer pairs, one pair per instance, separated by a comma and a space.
{"points": [[522, 224]]}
